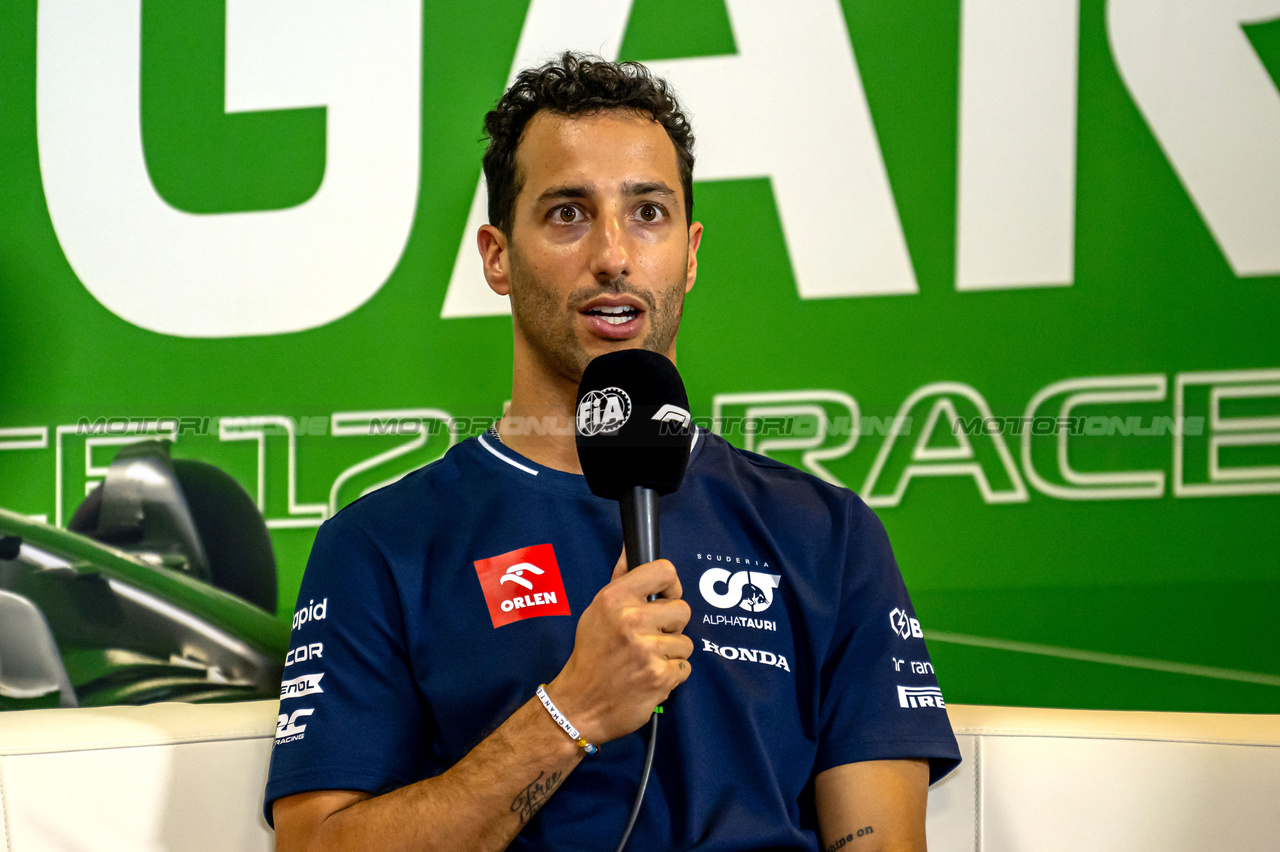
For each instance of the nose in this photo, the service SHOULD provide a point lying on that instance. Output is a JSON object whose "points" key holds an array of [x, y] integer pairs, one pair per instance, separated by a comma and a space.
{"points": [[610, 258]]}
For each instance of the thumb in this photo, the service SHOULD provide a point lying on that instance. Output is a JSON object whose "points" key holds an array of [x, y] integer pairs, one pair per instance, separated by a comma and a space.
{"points": [[620, 567]]}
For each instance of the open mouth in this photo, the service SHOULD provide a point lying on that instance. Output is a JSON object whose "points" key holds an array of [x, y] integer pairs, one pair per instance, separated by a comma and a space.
{"points": [[614, 315]]}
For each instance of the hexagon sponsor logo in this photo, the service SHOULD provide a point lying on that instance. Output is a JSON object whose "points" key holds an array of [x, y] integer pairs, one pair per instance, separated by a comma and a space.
{"points": [[605, 410], [749, 590], [904, 625]]}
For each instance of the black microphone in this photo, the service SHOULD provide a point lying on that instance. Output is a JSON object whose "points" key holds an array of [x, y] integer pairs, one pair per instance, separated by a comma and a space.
{"points": [[634, 434]]}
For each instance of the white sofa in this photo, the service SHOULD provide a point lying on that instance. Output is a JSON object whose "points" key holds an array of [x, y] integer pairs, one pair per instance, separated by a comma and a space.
{"points": [[157, 778], [1044, 780], [184, 778]]}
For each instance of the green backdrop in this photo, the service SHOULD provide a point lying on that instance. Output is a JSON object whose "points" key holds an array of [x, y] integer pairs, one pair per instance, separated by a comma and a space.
{"points": [[1156, 590]]}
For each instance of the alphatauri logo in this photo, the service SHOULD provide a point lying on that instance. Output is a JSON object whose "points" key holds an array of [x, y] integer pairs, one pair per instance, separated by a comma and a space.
{"points": [[603, 411], [750, 590], [524, 583]]}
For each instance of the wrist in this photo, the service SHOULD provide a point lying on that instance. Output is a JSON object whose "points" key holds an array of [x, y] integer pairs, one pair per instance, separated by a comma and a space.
{"points": [[541, 736], [576, 710], [562, 721]]}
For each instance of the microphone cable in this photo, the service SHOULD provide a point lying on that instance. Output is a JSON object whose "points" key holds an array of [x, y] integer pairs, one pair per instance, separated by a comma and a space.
{"points": [[644, 781]]}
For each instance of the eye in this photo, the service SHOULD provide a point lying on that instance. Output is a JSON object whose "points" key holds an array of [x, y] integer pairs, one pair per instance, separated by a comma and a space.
{"points": [[650, 213], [567, 214]]}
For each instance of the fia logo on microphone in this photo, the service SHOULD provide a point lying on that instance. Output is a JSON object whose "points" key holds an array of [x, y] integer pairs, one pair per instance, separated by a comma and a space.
{"points": [[603, 411]]}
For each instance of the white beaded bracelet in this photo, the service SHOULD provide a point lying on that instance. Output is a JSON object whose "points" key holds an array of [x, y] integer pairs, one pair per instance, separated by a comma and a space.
{"points": [[562, 721]]}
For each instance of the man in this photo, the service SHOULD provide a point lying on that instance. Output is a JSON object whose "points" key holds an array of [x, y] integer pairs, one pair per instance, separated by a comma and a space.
{"points": [[434, 608]]}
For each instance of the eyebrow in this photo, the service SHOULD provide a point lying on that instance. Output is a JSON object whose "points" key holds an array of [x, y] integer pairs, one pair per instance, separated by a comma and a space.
{"points": [[630, 189], [647, 188], [561, 192]]}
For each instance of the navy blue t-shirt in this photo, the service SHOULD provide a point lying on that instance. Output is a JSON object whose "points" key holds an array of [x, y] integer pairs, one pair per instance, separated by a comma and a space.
{"points": [[431, 610]]}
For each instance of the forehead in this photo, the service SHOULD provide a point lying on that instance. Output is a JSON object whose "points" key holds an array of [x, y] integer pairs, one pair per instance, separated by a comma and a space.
{"points": [[599, 151]]}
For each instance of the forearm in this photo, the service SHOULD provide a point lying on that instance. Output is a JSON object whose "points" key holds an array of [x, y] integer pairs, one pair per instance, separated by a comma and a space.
{"points": [[628, 656], [478, 805]]}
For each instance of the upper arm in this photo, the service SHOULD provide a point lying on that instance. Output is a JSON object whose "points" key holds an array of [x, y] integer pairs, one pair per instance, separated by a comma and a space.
{"points": [[880, 699], [873, 805], [351, 715], [299, 818]]}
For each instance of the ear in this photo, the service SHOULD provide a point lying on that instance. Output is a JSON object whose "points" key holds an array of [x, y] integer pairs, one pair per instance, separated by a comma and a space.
{"points": [[493, 254], [695, 240]]}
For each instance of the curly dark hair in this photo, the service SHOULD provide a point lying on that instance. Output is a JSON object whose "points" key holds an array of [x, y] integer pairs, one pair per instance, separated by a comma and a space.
{"points": [[576, 84]]}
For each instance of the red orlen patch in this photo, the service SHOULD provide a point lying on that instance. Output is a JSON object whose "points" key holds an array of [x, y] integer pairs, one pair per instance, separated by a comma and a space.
{"points": [[524, 583]]}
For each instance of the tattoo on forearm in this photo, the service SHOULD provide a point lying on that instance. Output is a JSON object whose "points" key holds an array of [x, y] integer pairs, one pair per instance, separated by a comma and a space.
{"points": [[848, 838], [533, 797]]}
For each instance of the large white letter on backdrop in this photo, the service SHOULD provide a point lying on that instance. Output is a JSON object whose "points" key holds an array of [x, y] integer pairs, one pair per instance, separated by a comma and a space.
{"points": [[1016, 208], [798, 117], [1214, 110], [244, 273], [550, 26]]}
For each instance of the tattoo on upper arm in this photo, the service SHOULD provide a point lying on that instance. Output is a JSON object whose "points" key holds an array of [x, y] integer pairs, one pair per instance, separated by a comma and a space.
{"points": [[532, 798], [848, 838]]}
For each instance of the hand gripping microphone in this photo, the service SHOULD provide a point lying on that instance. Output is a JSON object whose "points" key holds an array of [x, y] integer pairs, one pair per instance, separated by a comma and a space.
{"points": [[634, 434]]}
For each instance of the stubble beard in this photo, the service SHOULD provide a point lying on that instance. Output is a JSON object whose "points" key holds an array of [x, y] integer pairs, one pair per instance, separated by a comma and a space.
{"points": [[548, 324]]}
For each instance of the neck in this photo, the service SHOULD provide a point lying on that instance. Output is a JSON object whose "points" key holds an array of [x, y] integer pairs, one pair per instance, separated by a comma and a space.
{"points": [[539, 423]]}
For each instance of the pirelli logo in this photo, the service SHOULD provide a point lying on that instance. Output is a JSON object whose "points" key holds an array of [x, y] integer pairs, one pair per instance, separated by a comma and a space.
{"points": [[920, 696]]}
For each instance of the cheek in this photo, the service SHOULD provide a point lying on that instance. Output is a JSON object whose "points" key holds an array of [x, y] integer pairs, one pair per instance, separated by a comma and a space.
{"points": [[532, 268], [555, 264], [665, 263]]}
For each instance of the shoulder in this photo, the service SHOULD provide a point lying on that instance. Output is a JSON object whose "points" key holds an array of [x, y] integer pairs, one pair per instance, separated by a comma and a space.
{"points": [[785, 498], [766, 480], [410, 498]]}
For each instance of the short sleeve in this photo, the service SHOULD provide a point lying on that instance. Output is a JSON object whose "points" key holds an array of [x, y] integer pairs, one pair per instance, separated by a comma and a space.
{"points": [[880, 696], [351, 717]]}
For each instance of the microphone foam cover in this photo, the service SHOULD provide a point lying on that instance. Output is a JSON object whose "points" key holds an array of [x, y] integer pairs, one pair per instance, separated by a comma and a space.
{"points": [[632, 423]]}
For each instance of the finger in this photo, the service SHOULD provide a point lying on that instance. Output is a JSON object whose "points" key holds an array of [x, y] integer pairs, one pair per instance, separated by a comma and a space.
{"points": [[680, 671], [672, 646], [674, 591], [620, 567], [658, 577], [667, 616], [673, 673]]}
